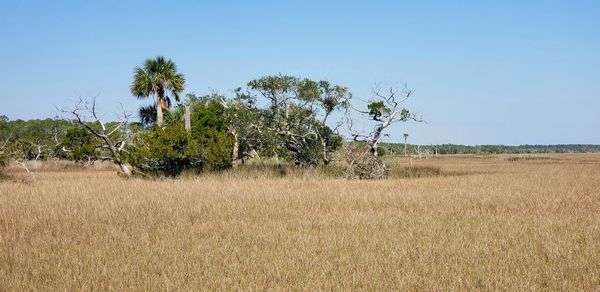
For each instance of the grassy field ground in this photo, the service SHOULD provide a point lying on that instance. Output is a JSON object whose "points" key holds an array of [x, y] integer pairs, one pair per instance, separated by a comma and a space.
{"points": [[487, 222]]}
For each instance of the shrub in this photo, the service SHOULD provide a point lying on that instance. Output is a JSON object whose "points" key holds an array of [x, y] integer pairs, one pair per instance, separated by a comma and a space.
{"points": [[215, 149], [169, 150], [164, 152], [367, 166]]}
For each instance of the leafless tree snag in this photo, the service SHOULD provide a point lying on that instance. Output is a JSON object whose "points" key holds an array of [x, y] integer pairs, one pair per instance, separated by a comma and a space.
{"points": [[84, 112], [385, 109]]}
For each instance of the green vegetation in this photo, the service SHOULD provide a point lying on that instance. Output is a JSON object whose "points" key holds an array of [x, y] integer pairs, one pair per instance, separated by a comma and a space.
{"points": [[171, 149], [285, 119]]}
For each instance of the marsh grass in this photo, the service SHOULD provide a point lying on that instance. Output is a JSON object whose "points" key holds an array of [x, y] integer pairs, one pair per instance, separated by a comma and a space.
{"points": [[530, 225], [529, 157], [415, 172]]}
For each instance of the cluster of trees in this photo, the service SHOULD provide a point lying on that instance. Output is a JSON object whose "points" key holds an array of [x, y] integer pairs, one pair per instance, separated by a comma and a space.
{"points": [[290, 119], [214, 132]]}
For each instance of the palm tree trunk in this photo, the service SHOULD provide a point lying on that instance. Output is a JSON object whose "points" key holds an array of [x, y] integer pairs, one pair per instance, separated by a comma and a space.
{"points": [[159, 112]]}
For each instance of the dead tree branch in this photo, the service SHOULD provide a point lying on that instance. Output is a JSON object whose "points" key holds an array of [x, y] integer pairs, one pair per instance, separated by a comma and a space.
{"points": [[85, 113]]}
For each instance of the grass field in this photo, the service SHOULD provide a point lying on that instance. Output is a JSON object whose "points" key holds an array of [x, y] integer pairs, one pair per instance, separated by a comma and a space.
{"points": [[487, 222]]}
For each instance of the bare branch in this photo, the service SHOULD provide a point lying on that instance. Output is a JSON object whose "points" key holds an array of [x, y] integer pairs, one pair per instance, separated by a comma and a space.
{"points": [[79, 113]]}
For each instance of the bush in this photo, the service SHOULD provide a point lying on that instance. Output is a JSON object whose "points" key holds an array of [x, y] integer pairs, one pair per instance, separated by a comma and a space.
{"points": [[170, 150], [164, 152], [367, 166], [216, 147]]}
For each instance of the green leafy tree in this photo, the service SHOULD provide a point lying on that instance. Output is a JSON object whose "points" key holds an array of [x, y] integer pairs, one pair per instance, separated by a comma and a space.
{"points": [[298, 115], [325, 100], [158, 78]]}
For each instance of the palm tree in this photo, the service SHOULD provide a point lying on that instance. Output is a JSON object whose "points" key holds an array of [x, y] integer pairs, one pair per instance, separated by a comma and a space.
{"points": [[158, 78], [147, 115]]}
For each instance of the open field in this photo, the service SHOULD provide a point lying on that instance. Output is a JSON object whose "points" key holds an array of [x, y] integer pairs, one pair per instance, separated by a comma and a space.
{"points": [[491, 222]]}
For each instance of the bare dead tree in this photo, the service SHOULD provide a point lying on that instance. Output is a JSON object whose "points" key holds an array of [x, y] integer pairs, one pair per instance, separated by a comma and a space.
{"points": [[386, 109], [84, 111]]}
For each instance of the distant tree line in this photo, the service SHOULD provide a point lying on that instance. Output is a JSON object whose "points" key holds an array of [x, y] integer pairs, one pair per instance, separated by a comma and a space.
{"points": [[398, 149]]}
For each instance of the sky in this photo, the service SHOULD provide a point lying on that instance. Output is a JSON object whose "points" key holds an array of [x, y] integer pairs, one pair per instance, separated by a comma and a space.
{"points": [[481, 72]]}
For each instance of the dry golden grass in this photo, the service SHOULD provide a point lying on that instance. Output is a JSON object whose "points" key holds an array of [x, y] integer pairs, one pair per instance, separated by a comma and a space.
{"points": [[490, 224]]}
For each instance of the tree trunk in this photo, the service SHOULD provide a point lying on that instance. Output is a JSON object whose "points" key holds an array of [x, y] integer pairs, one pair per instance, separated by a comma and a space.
{"points": [[375, 141], [125, 169], [188, 122], [325, 157], [235, 152], [159, 112]]}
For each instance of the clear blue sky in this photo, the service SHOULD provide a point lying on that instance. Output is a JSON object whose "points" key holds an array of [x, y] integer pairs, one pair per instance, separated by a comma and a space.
{"points": [[482, 72]]}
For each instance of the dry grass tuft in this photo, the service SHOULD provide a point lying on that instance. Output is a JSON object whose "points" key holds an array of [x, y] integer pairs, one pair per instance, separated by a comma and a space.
{"points": [[523, 225], [529, 157], [415, 172]]}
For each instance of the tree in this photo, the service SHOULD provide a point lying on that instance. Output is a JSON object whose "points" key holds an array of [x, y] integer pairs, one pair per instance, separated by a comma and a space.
{"points": [[385, 110], [34, 139], [158, 78], [110, 135], [328, 98], [244, 124], [298, 112], [147, 115]]}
